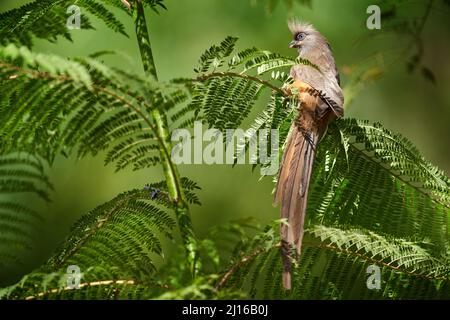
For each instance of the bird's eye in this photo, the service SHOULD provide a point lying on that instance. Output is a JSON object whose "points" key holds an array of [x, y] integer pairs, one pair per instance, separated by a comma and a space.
{"points": [[300, 36]]}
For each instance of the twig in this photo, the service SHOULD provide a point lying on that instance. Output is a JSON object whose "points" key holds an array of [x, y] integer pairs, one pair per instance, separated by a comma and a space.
{"points": [[170, 170], [240, 263], [313, 91], [91, 284], [372, 260], [243, 76], [257, 252]]}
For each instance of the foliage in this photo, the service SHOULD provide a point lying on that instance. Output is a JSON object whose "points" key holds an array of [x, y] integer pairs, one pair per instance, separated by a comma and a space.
{"points": [[46, 19], [405, 21], [19, 174], [374, 200], [77, 104]]}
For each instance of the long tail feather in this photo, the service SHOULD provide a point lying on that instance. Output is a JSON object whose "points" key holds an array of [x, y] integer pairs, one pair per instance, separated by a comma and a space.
{"points": [[292, 192]]}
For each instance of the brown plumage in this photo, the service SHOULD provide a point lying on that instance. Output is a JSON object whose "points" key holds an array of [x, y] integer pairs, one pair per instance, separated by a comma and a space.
{"points": [[300, 148]]}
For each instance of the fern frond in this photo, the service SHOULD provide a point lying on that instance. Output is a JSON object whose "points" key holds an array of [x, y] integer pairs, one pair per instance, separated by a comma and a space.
{"points": [[154, 4], [125, 226], [226, 102], [330, 260], [227, 88], [200, 288], [19, 174], [355, 162], [374, 185], [357, 193], [46, 19], [365, 178], [263, 62], [131, 226], [96, 283], [215, 55], [40, 19], [98, 10], [51, 105], [402, 255], [16, 223], [400, 157], [190, 187]]}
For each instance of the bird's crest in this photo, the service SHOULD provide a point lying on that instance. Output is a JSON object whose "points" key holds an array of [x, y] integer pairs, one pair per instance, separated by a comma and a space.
{"points": [[297, 26]]}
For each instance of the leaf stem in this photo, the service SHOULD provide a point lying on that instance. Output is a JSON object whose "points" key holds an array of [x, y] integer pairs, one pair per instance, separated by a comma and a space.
{"points": [[98, 283], [243, 76], [253, 255], [171, 173]]}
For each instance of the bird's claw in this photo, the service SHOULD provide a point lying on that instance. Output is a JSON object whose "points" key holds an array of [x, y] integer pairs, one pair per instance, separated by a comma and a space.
{"points": [[297, 87], [127, 4]]}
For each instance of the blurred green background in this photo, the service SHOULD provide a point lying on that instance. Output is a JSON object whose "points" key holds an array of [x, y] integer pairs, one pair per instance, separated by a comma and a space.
{"points": [[405, 103]]}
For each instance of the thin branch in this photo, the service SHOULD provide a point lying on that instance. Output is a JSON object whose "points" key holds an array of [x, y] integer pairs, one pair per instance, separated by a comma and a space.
{"points": [[243, 76], [372, 260], [91, 232], [312, 91], [434, 197], [246, 259], [171, 173], [242, 262], [91, 284], [98, 88]]}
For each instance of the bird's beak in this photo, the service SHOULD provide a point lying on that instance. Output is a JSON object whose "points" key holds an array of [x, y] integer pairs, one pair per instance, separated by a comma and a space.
{"points": [[293, 44]]}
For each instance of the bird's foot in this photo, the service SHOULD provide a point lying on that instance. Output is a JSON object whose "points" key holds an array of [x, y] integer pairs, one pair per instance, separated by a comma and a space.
{"points": [[127, 4], [298, 87]]}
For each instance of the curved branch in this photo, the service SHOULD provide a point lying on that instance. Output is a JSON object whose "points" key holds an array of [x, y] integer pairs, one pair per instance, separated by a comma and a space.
{"points": [[242, 262], [312, 91], [92, 284], [246, 259], [98, 88], [171, 173], [243, 76]]}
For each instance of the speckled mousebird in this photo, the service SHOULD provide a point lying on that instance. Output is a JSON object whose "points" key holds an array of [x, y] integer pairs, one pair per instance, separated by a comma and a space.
{"points": [[315, 112]]}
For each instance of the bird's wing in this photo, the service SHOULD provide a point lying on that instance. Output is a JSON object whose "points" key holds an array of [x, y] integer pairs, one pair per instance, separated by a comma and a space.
{"points": [[324, 81]]}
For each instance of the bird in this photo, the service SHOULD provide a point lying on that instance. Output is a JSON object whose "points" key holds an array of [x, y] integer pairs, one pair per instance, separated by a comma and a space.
{"points": [[321, 100]]}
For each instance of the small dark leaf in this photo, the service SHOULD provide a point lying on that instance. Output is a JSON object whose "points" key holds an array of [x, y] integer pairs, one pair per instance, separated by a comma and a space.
{"points": [[101, 53], [412, 64], [389, 14], [429, 75]]}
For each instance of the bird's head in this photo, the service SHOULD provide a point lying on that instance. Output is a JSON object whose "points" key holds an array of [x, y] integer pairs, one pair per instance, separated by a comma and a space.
{"points": [[305, 36]]}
